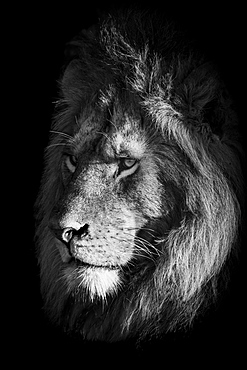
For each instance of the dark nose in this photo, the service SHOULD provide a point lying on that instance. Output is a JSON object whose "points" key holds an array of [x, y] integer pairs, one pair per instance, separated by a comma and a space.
{"points": [[66, 234]]}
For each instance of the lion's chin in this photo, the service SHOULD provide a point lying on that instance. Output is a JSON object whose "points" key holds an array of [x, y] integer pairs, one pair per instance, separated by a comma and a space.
{"points": [[97, 281]]}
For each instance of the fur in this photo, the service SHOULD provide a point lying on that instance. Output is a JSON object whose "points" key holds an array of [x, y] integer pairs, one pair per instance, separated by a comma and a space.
{"points": [[132, 81]]}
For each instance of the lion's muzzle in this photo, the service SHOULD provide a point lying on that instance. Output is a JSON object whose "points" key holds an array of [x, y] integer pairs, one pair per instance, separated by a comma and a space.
{"points": [[94, 246]]}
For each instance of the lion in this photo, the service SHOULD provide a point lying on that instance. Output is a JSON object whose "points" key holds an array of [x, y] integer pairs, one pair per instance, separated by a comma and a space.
{"points": [[139, 206]]}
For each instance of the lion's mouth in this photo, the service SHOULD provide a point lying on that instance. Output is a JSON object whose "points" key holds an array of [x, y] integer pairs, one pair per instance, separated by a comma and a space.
{"points": [[69, 255], [79, 263]]}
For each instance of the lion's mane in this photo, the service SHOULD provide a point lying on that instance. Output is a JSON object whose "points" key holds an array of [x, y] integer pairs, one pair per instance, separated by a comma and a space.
{"points": [[187, 105]]}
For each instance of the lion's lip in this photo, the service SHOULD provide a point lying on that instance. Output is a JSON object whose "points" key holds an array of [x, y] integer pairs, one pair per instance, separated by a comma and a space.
{"points": [[79, 263], [68, 257]]}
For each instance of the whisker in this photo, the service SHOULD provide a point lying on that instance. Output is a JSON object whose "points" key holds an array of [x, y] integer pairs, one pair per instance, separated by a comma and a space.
{"points": [[53, 145], [67, 136], [143, 247], [131, 263], [145, 244], [76, 121], [106, 136], [113, 123], [142, 252], [151, 231], [138, 255]]}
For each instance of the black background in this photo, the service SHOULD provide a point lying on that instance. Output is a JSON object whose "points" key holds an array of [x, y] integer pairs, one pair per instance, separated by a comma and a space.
{"points": [[40, 35]]}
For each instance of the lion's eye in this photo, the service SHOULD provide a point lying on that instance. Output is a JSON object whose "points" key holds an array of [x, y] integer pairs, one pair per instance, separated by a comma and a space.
{"points": [[71, 162], [127, 166], [128, 162]]}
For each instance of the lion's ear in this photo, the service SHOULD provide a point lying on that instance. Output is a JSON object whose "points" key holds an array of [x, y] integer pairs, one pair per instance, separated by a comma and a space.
{"points": [[74, 48], [200, 86], [77, 50], [206, 98]]}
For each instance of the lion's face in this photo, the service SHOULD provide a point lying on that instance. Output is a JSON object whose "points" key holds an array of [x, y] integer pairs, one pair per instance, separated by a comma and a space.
{"points": [[106, 218], [139, 205]]}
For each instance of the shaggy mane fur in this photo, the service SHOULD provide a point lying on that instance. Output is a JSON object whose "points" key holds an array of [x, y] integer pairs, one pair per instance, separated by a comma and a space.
{"points": [[187, 111]]}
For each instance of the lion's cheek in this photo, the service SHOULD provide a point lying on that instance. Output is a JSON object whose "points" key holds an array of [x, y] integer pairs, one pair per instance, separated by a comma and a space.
{"points": [[148, 194]]}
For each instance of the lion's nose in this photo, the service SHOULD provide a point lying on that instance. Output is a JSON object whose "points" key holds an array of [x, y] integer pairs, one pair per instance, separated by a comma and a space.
{"points": [[69, 232], [66, 234]]}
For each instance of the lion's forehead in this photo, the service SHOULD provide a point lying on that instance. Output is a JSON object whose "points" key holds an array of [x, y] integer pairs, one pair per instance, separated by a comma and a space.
{"points": [[119, 134]]}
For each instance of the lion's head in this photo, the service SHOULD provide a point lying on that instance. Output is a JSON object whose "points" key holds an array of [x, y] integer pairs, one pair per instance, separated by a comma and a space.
{"points": [[139, 204]]}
